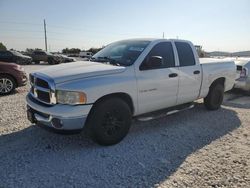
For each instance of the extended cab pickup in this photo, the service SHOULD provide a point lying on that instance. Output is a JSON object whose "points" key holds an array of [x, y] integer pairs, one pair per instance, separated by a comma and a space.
{"points": [[39, 55], [126, 79]]}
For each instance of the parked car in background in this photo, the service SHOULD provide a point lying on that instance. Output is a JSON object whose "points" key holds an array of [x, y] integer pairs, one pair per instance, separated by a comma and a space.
{"points": [[40, 55], [14, 56], [66, 59], [84, 54], [126, 79], [73, 55], [11, 77], [243, 75]]}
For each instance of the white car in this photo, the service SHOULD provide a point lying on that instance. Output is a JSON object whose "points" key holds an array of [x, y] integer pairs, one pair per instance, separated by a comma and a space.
{"points": [[127, 79], [243, 78], [84, 54]]}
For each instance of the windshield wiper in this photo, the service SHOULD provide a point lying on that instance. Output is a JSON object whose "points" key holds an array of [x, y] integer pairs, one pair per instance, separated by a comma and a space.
{"points": [[107, 59]]}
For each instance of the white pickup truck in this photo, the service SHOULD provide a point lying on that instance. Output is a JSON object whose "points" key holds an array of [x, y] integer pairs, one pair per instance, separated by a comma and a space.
{"points": [[127, 79]]}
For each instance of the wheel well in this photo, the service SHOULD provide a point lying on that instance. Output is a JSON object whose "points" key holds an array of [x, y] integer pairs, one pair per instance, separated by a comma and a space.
{"points": [[218, 81], [6, 74], [123, 96]]}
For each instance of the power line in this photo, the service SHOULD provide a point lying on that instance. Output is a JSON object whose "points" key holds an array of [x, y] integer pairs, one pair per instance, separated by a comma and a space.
{"points": [[25, 23], [74, 29]]}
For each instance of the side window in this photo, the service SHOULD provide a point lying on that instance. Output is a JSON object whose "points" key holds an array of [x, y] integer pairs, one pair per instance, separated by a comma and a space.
{"points": [[39, 53], [4, 54], [163, 50], [185, 54]]}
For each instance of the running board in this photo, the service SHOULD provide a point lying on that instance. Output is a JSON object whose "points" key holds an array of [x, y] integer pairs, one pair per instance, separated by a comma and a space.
{"points": [[164, 112]]}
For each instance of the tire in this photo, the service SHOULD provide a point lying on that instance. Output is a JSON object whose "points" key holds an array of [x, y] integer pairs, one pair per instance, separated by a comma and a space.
{"points": [[7, 84], [248, 93], [51, 61], [109, 121], [215, 97]]}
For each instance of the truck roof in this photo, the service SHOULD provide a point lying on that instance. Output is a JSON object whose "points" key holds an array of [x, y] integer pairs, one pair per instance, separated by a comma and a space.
{"points": [[155, 39]]}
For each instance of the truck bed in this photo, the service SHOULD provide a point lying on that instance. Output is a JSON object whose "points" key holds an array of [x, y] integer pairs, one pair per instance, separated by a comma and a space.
{"points": [[213, 60], [213, 68]]}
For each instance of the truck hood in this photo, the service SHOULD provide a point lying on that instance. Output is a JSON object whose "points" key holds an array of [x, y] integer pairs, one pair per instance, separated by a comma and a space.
{"points": [[78, 70]]}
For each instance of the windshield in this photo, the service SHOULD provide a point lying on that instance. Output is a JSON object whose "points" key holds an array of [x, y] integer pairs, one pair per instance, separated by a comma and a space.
{"points": [[122, 53], [16, 53]]}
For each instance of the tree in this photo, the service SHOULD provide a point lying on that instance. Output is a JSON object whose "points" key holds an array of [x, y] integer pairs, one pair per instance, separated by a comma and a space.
{"points": [[2, 47], [71, 51], [94, 50]]}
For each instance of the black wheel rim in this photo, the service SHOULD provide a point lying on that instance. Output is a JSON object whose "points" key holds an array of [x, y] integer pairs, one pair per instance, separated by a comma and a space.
{"points": [[112, 123]]}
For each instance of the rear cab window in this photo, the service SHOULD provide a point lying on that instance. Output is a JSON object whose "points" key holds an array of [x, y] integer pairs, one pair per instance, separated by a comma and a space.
{"points": [[185, 54]]}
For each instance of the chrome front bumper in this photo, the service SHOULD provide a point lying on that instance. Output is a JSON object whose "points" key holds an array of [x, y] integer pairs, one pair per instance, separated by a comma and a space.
{"points": [[67, 116]]}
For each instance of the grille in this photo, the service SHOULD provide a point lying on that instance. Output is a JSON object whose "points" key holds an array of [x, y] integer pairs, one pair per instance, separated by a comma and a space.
{"points": [[43, 96], [40, 89], [42, 83]]}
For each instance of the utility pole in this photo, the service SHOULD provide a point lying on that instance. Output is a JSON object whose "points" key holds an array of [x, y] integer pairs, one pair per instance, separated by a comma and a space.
{"points": [[163, 35], [45, 34]]}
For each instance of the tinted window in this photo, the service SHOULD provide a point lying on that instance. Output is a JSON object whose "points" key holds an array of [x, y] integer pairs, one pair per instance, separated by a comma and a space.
{"points": [[185, 54], [164, 50], [39, 53], [5, 54]]}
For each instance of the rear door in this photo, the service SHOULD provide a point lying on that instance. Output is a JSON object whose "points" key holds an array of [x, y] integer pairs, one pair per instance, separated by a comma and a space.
{"points": [[190, 74], [157, 87]]}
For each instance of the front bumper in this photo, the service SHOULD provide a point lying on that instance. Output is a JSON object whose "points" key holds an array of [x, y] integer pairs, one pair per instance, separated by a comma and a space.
{"points": [[22, 79], [60, 117], [242, 83]]}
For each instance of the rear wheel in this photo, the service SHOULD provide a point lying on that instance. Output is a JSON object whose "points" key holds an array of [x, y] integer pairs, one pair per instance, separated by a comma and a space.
{"points": [[52, 61], [214, 98], [7, 84], [109, 121]]}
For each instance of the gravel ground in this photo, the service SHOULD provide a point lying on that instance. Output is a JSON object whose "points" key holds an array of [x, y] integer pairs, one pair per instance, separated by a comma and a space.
{"points": [[194, 148]]}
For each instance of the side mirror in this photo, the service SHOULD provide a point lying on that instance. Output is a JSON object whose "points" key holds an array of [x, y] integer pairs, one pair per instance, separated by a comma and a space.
{"points": [[155, 62]]}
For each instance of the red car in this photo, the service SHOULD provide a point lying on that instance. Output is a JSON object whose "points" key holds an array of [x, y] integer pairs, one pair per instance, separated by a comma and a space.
{"points": [[11, 77]]}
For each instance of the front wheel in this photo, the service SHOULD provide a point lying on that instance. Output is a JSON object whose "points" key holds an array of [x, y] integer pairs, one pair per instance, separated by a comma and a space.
{"points": [[109, 121], [7, 85], [52, 61], [214, 98]]}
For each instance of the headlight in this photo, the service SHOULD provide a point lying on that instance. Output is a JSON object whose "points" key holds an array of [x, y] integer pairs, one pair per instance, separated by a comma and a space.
{"points": [[70, 97], [19, 68]]}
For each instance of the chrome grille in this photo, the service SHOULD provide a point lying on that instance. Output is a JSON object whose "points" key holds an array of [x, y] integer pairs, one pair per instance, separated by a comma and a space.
{"points": [[42, 83], [42, 88]]}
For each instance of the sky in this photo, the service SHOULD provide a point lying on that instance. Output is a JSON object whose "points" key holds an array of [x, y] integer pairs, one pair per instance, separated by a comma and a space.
{"points": [[222, 25]]}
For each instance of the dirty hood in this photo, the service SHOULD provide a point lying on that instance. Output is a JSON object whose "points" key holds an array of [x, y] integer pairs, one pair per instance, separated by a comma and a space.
{"points": [[78, 70]]}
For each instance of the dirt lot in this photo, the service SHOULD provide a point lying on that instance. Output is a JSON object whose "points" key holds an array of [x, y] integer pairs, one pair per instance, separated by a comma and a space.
{"points": [[195, 148]]}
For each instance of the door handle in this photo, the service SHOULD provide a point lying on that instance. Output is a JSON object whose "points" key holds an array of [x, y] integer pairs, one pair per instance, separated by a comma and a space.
{"points": [[197, 72], [172, 75]]}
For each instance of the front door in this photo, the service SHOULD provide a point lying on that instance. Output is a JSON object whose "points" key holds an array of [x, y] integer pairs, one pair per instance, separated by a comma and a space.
{"points": [[157, 85]]}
